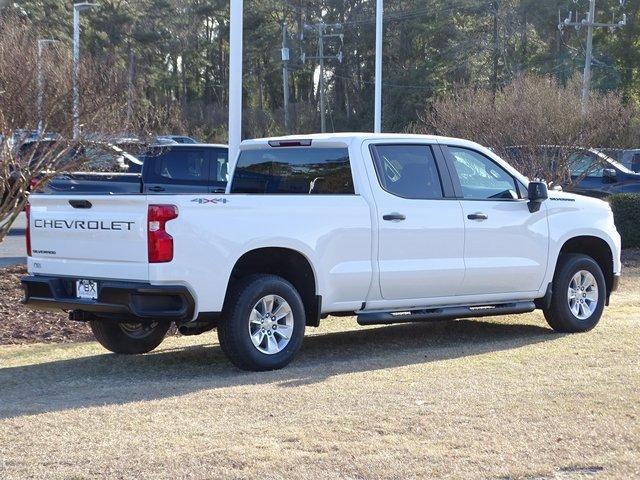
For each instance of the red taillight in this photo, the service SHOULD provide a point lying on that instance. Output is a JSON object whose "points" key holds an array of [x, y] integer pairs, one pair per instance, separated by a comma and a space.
{"points": [[33, 184], [27, 236], [159, 241]]}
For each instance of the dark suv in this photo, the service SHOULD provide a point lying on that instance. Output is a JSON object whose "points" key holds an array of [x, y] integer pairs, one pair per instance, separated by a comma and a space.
{"points": [[592, 172]]}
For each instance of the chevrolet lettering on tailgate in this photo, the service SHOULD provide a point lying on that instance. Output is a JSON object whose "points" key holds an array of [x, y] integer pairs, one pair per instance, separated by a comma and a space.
{"points": [[83, 225]]}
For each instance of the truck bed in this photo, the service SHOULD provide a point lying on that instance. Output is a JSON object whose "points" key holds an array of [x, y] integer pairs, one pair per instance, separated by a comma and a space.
{"points": [[94, 183]]}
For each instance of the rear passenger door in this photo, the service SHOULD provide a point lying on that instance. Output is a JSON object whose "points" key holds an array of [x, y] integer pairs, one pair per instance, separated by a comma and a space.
{"points": [[506, 246], [421, 230], [177, 170]]}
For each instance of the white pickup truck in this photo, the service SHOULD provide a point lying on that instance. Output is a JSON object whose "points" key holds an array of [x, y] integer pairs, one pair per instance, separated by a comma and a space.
{"points": [[389, 228]]}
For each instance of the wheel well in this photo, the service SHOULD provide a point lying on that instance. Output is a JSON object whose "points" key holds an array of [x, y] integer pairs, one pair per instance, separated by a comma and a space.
{"points": [[597, 249], [288, 264]]}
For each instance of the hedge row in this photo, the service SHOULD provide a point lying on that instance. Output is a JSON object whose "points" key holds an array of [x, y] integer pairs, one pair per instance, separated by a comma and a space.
{"points": [[626, 211]]}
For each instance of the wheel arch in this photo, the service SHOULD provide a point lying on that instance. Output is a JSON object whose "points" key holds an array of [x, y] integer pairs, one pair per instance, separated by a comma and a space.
{"points": [[288, 263], [596, 248]]}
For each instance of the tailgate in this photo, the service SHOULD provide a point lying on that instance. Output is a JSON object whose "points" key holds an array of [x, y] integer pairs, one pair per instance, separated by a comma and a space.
{"points": [[89, 236]]}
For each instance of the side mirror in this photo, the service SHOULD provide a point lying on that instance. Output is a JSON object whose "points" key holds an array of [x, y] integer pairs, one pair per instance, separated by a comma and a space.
{"points": [[609, 175], [538, 193]]}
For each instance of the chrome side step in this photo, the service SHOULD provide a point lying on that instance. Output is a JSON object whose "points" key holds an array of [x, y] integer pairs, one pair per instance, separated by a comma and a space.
{"points": [[445, 313]]}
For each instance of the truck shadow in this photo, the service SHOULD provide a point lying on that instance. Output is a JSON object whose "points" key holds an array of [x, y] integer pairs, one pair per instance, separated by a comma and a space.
{"points": [[111, 380]]}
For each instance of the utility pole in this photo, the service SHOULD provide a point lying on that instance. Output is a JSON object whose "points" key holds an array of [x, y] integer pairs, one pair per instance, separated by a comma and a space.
{"points": [[130, 85], [321, 31], [285, 78], [40, 100], [77, 8], [323, 110], [496, 52], [591, 24]]}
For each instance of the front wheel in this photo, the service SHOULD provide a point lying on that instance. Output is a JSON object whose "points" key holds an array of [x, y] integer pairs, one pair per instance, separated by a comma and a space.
{"points": [[129, 338], [579, 293], [263, 325]]}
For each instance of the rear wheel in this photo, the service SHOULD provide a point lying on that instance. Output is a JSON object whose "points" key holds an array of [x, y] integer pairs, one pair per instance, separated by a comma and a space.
{"points": [[579, 293], [129, 338], [263, 324]]}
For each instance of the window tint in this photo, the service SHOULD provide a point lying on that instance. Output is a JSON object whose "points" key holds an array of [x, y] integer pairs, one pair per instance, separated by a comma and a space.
{"points": [[219, 165], [408, 171], [178, 165], [635, 163], [586, 165], [481, 178], [315, 171]]}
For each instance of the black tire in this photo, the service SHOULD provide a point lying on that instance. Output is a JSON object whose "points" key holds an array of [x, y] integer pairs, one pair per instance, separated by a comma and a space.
{"points": [[559, 315], [126, 339], [233, 331]]}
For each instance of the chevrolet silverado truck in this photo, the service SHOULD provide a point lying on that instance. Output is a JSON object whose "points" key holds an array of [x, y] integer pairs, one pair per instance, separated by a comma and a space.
{"points": [[387, 228]]}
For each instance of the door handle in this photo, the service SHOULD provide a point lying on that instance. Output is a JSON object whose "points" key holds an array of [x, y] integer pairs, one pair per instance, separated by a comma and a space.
{"points": [[156, 189], [478, 216], [394, 217], [80, 203]]}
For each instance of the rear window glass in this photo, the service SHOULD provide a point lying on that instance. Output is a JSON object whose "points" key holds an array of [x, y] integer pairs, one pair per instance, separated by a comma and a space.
{"points": [[219, 165], [311, 171], [182, 165]]}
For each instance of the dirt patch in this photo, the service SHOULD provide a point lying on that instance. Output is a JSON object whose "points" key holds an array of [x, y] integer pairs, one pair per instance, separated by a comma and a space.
{"points": [[19, 325]]}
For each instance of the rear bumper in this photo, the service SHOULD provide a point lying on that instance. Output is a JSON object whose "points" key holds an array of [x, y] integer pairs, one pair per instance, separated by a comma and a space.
{"points": [[124, 300]]}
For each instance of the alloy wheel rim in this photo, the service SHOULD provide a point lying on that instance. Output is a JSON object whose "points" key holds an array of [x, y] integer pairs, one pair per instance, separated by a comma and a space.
{"points": [[271, 324], [583, 295]]}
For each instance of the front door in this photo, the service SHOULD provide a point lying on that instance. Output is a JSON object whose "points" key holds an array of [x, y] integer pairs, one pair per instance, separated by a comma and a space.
{"points": [[506, 246], [421, 232]]}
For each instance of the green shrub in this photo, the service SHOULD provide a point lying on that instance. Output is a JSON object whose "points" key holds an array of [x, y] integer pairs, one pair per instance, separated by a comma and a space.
{"points": [[626, 211]]}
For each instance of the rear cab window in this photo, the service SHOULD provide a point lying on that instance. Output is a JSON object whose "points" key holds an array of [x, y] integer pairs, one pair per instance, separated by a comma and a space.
{"points": [[190, 169], [293, 171]]}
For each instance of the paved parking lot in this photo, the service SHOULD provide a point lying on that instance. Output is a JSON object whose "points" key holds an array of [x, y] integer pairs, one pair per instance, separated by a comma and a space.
{"points": [[12, 249]]}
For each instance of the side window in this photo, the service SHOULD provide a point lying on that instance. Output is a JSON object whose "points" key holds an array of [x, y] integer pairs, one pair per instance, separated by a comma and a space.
{"points": [[220, 165], [179, 165], [635, 163], [408, 171], [585, 165], [480, 177], [294, 170]]}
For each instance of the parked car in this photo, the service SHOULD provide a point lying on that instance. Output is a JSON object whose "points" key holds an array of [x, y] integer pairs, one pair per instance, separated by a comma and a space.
{"points": [[593, 173], [199, 168], [391, 228], [173, 139], [630, 158]]}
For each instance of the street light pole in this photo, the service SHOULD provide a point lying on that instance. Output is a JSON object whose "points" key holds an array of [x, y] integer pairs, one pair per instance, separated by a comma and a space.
{"points": [[40, 100], [77, 8], [377, 124], [235, 79]]}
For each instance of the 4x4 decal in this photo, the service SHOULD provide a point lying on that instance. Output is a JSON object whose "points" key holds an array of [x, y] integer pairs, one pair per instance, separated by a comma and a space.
{"points": [[215, 201]]}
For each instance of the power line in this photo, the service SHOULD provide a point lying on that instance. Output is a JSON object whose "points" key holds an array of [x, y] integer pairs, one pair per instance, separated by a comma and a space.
{"points": [[590, 24], [324, 32]]}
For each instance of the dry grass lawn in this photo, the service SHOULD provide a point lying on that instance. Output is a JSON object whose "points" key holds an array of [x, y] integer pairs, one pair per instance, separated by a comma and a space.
{"points": [[498, 398]]}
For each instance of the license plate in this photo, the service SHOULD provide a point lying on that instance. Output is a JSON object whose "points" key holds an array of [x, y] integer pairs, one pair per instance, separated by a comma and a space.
{"points": [[87, 289]]}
